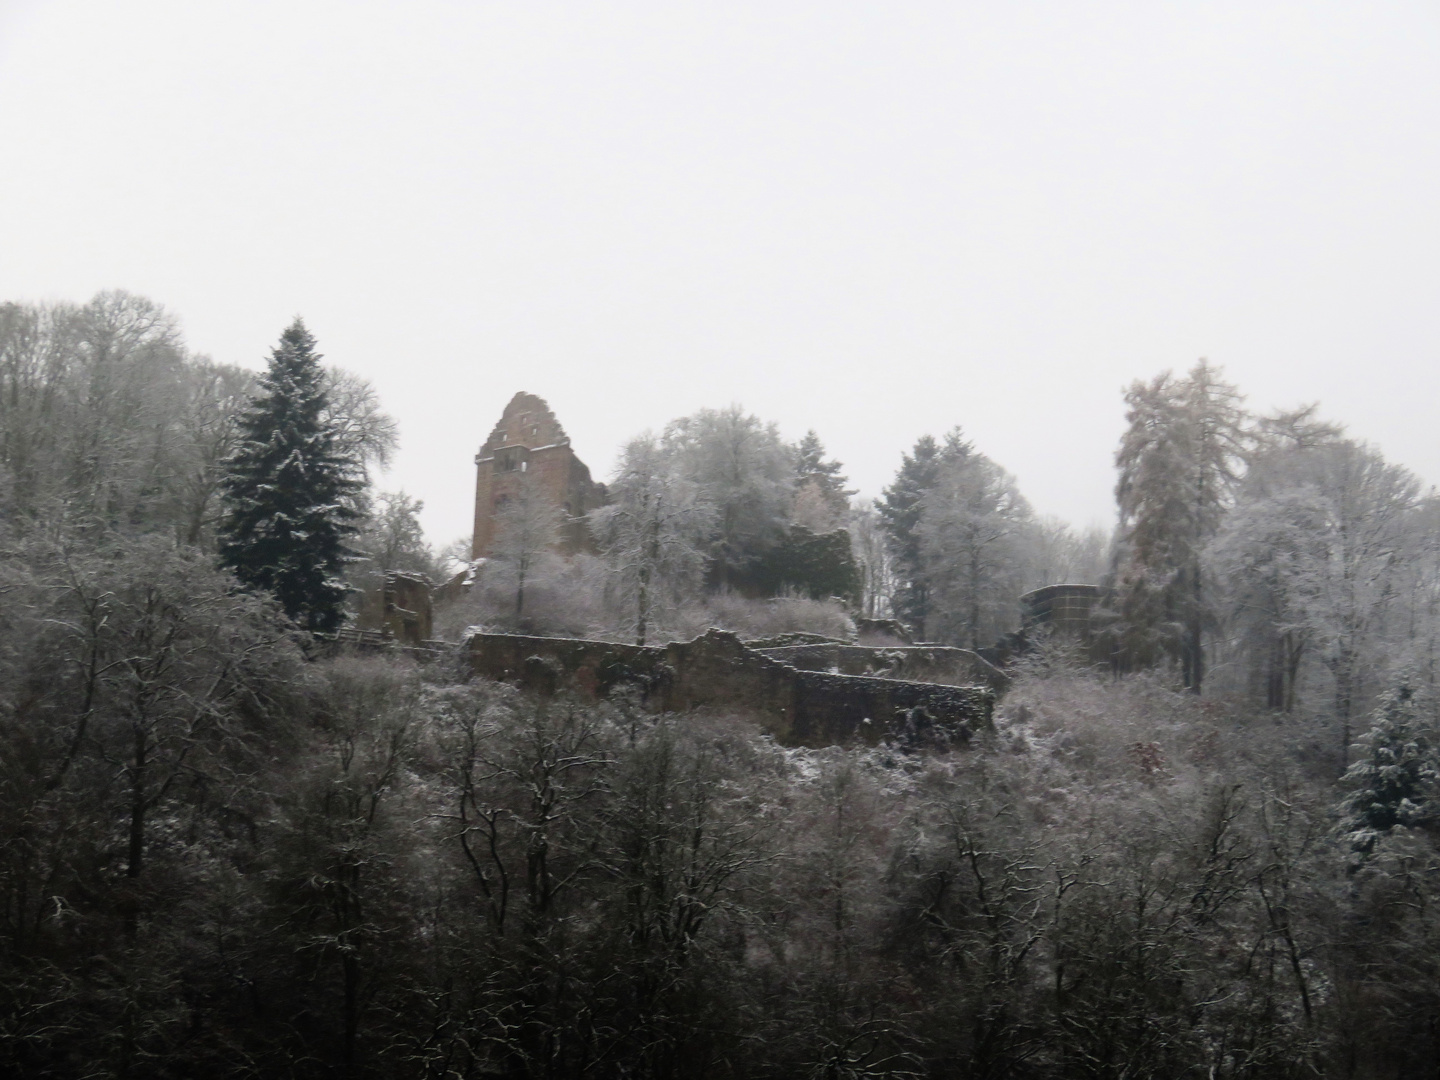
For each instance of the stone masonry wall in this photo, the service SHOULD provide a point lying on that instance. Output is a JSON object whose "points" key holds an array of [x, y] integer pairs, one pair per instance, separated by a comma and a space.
{"points": [[805, 708], [528, 446], [912, 663]]}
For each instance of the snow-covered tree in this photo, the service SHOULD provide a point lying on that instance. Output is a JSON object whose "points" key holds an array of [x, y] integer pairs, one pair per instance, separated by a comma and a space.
{"points": [[215, 396], [1367, 509], [1314, 558], [1362, 519], [1397, 780], [870, 546], [1261, 560], [899, 507], [1261, 547], [392, 537], [652, 532], [91, 399], [974, 534], [292, 491], [822, 500], [1179, 460], [746, 472], [363, 430]]}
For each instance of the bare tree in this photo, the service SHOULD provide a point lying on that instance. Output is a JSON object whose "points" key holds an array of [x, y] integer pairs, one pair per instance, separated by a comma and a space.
{"points": [[392, 537], [871, 546], [106, 417], [216, 395], [1059, 554], [652, 532], [362, 429]]}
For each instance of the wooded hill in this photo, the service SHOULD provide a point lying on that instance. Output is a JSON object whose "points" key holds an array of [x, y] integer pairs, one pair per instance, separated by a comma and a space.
{"points": [[228, 848]]}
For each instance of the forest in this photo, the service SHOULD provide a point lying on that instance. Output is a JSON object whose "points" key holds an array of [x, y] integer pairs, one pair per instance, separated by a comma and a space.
{"points": [[1200, 843]]}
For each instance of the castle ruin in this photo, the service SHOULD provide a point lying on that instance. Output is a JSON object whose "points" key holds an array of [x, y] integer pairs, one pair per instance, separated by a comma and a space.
{"points": [[529, 447]]}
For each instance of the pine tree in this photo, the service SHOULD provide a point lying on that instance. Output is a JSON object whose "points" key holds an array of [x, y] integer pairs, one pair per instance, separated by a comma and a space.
{"points": [[811, 469], [290, 491], [900, 506]]}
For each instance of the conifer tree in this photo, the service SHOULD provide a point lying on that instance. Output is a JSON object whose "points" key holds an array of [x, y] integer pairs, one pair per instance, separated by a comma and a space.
{"points": [[975, 532], [900, 507], [812, 470], [1395, 782], [290, 491], [1179, 461]]}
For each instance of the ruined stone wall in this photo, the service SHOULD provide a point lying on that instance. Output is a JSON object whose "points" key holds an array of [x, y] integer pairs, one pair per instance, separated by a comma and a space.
{"points": [[830, 709], [397, 606], [1076, 612], [1065, 608], [912, 663], [545, 665], [805, 708], [717, 669], [408, 616], [882, 632]]}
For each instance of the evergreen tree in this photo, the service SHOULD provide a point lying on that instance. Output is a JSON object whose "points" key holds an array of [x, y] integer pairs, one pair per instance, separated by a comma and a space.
{"points": [[1396, 781], [822, 478], [290, 491], [900, 506], [975, 533]]}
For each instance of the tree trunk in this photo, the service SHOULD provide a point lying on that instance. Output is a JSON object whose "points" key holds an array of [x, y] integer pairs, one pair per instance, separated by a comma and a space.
{"points": [[1294, 649], [1344, 703], [1275, 675], [642, 604], [137, 805], [1194, 645]]}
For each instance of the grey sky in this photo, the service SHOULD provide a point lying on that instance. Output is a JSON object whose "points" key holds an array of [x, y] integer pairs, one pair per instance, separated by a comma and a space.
{"points": [[876, 220]]}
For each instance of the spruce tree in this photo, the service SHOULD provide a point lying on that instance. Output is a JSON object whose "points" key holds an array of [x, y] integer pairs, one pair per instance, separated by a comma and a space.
{"points": [[290, 491], [900, 506], [812, 468], [1398, 778]]}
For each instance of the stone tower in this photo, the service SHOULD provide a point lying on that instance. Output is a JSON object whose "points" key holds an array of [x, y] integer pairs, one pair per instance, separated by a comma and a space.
{"points": [[528, 445]]}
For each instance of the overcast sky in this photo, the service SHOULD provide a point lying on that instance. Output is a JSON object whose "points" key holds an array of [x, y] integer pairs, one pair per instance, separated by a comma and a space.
{"points": [[875, 220]]}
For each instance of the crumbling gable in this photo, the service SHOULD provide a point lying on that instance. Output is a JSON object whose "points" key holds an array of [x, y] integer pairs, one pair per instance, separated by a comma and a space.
{"points": [[528, 446], [396, 608]]}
